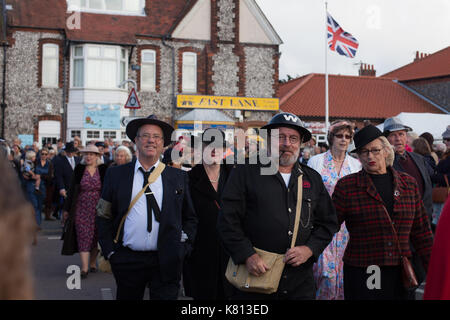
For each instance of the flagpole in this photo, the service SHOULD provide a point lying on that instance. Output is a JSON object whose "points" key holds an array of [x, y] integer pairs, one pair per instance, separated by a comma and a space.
{"points": [[326, 67]]}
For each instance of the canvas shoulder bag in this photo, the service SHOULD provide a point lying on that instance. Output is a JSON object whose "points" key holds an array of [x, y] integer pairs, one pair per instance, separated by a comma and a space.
{"points": [[268, 282]]}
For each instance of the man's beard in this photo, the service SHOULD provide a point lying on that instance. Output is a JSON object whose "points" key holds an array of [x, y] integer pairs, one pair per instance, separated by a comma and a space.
{"points": [[286, 160]]}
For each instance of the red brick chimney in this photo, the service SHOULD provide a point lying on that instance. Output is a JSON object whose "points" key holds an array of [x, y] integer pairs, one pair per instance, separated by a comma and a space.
{"points": [[420, 55], [367, 70]]}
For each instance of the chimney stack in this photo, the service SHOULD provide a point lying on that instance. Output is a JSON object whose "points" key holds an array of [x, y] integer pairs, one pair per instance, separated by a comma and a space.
{"points": [[367, 70], [420, 55]]}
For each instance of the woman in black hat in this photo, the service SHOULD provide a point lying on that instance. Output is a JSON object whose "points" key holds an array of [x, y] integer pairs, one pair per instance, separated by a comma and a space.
{"points": [[204, 271], [378, 203]]}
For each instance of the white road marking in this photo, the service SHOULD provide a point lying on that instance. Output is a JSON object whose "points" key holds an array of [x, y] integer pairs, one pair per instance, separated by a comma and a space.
{"points": [[106, 294]]}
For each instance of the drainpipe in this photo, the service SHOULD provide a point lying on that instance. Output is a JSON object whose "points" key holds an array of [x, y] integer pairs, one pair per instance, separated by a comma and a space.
{"points": [[3, 104], [64, 95], [174, 99]]}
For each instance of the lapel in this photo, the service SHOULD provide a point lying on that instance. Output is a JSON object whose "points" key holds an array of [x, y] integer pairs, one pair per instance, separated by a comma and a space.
{"points": [[201, 182], [418, 165], [366, 183], [127, 180], [168, 187]]}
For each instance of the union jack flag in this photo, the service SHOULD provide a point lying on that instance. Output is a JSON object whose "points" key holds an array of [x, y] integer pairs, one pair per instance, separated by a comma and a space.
{"points": [[340, 41]]}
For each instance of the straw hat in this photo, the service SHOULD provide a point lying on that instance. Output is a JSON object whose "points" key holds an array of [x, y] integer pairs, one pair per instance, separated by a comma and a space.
{"points": [[90, 148]]}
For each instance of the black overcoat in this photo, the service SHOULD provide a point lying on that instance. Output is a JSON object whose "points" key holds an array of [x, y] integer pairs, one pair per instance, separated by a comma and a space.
{"points": [[204, 271]]}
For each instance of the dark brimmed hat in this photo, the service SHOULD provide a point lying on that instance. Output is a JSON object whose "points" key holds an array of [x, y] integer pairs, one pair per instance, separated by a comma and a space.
{"points": [[446, 134], [289, 120], [365, 136], [69, 147], [394, 124], [100, 144], [134, 125]]}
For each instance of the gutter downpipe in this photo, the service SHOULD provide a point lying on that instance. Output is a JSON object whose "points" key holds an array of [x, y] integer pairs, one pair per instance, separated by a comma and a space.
{"points": [[3, 104], [174, 100]]}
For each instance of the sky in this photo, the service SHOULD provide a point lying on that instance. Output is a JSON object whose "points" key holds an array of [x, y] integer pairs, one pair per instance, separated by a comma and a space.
{"points": [[389, 33]]}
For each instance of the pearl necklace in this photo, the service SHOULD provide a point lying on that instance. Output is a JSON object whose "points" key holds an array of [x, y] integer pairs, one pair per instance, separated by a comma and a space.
{"points": [[213, 181]]}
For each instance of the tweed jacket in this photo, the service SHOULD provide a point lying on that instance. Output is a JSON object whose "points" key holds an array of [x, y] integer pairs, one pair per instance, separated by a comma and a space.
{"points": [[372, 240]]}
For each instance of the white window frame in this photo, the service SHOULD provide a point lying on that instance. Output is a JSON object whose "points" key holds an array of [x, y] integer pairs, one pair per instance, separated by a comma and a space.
{"points": [[93, 134], [44, 58], [118, 60], [74, 133], [84, 6], [108, 135], [152, 86], [184, 88]]}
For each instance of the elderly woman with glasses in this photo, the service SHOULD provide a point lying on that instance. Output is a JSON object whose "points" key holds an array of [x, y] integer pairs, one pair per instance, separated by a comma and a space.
{"points": [[379, 205], [333, 165]]}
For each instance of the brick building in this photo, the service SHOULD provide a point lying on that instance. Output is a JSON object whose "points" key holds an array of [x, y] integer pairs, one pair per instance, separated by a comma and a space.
{"points": [[65, 60], [428, 75]]}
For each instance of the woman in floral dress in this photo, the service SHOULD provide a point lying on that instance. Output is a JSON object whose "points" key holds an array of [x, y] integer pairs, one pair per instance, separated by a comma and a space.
{"points": [[84, 193], [333, 165]]}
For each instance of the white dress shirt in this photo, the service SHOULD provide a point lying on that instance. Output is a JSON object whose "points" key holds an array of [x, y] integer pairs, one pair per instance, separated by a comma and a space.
{"points": [[135, 235], [71, 162]]}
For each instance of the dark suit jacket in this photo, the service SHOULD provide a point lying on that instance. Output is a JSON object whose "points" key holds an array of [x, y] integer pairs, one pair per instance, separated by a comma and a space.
{"points": [[177, 214], [63, 172], [427, 186]]}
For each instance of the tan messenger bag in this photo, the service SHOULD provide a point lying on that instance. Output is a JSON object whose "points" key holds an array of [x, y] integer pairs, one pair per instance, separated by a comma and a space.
{"points": [[267, 283]]}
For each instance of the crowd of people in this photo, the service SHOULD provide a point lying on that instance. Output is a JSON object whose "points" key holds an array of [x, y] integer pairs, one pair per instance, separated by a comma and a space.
{"points": [[367, 199]]}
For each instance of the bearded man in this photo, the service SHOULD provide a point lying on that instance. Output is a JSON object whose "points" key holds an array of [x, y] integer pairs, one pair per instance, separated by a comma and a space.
{"points": [[258, 210]]}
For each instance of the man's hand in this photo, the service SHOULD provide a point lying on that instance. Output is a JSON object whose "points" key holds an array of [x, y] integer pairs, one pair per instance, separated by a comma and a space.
{"points": [[255, 265], [297, 255], [65, 216], [62, 192]]}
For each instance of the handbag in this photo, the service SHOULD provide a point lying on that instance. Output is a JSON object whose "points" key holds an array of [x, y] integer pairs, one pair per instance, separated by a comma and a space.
{"points": [[440, 194], [69, 237], [409, 278], [268, 282]]}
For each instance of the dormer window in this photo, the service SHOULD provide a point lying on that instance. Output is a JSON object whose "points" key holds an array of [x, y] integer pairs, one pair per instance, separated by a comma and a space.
{"points": [[120, 7]]}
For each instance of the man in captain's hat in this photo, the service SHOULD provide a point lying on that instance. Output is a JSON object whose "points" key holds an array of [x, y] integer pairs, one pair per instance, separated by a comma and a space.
{"points": [[146, 238], [412, 163]]}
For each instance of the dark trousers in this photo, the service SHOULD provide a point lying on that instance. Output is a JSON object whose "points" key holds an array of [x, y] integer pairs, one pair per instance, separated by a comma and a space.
{"points": [[135, 270], [356, 288]]}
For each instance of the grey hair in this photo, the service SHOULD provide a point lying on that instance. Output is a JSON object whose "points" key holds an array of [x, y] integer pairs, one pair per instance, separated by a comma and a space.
{"points": [[390, 157], [30, 154], [127, 152]]}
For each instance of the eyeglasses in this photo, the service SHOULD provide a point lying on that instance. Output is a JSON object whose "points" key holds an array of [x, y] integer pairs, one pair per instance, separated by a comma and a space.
{"points": [[292, 139], [340, 136], [155, 137], [44, 153], [365, 152]]}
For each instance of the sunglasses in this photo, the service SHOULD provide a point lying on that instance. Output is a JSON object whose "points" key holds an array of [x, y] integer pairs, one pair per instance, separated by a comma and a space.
{"points": [[340, 136]]}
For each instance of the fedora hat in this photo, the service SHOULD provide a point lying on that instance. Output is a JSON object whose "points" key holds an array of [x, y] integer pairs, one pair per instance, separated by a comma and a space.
{"points": [[69, 147], [394, 124], [446, 134], [90, 148], [365, 136], [289, 120], [134, 125]]}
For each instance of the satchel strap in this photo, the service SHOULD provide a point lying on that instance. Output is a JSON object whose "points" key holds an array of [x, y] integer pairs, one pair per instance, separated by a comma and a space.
{"points": [[298, 211], [446, 182], [151, 178], [394, 231]]}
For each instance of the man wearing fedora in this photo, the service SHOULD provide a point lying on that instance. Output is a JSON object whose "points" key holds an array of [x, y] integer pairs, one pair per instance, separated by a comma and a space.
{"points": [[146, 221], [64, 164], [409, 162], [258, 211]]}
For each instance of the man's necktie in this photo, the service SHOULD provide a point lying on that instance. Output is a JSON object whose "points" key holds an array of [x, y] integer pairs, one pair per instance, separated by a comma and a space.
{"points": [[72, 164], [151, 201]]}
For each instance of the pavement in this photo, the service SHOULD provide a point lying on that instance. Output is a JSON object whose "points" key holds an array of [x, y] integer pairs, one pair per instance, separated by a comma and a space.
{"points": [[52, 281]]}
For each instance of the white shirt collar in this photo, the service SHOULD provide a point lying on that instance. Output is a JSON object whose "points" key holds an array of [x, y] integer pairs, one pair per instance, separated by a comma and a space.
{"points": [[139, 165]]}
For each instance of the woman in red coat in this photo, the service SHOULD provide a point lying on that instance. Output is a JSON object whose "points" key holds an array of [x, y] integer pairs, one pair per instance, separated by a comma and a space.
{"points": [[438, 277]]}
